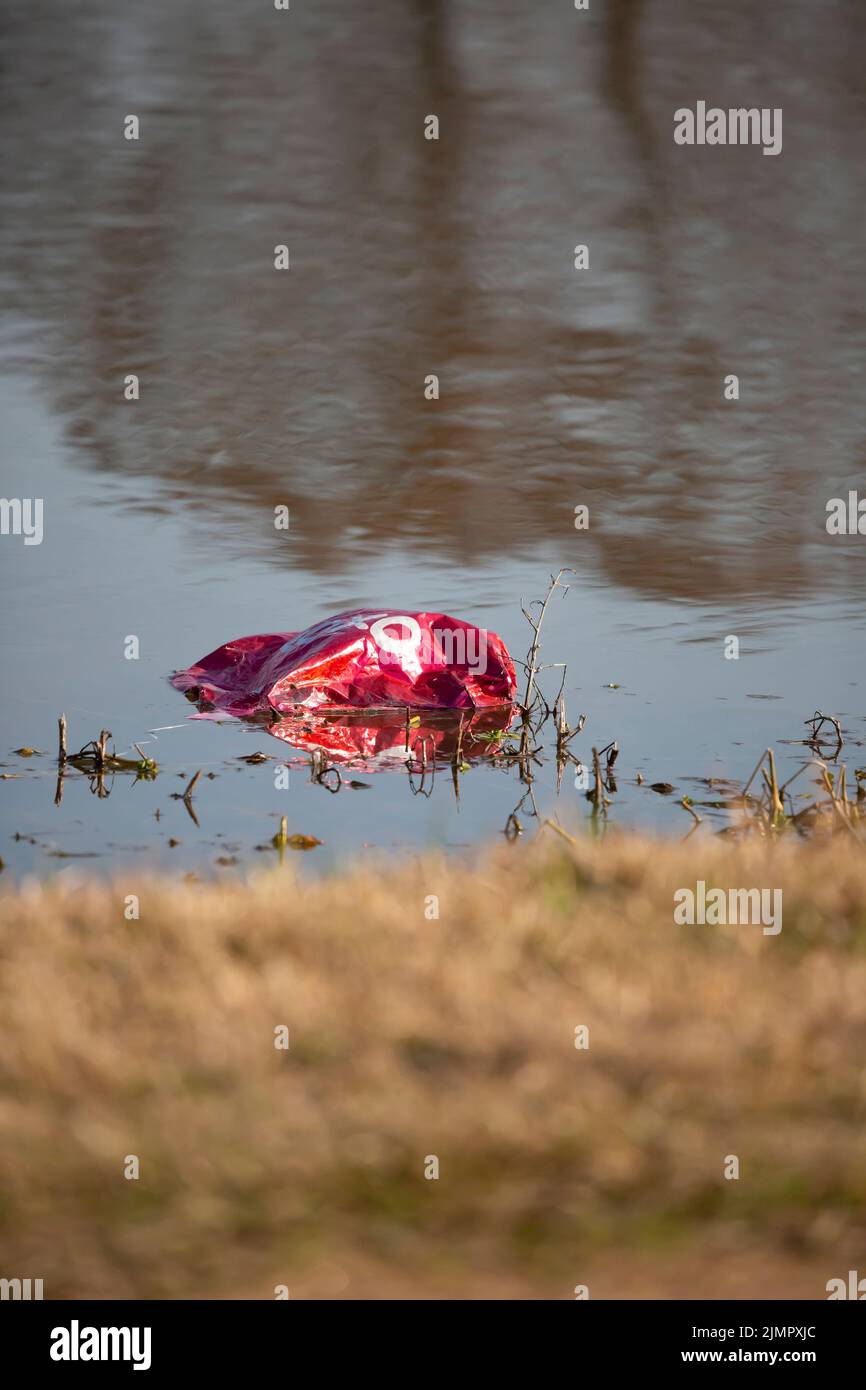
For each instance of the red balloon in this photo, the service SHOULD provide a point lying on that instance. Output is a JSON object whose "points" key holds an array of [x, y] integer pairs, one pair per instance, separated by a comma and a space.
{"points": [[362, 659]]}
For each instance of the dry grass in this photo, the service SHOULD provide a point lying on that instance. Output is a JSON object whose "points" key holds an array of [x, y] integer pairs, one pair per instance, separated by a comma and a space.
{"points": [[455, 1037]]}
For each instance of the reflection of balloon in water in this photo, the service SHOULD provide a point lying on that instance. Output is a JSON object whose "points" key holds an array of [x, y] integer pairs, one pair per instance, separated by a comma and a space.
{"points": [[378, 741]]}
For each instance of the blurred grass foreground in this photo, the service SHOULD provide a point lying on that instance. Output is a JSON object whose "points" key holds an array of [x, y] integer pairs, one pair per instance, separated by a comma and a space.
{"points": [[580, 1070]]}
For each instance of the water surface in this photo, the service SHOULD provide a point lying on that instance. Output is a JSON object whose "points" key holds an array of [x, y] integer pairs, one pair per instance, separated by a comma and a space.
{"points": [[557, 388]]}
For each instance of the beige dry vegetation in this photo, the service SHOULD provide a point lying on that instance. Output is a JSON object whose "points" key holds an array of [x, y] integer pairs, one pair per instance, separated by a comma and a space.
{"points": [[454, 1037]]}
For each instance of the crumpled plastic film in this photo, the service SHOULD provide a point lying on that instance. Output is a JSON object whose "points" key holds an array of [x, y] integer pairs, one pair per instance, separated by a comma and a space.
{"points": [[361, 659]]}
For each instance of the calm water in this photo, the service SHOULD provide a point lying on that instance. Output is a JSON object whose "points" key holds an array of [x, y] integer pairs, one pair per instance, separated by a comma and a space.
{"points": [[408, 257]]}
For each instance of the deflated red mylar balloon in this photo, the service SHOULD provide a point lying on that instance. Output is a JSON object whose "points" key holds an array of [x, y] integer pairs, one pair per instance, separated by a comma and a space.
{"points": [[357, 660]]}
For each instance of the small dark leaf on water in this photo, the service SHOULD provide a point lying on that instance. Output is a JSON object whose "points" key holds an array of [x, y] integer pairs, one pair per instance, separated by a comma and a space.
{"points": [[173, 843], [663, 788], [256, 757], [359, 786], [24, 752], [226, 859], [612, 685]]}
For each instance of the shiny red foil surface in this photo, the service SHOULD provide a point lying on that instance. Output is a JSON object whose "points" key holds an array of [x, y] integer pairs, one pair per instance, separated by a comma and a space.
{"points": [[362, 659], [381, 741]]}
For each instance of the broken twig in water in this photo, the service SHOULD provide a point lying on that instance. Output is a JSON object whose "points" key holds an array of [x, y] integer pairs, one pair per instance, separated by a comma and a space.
{"points": [[531, 664], [190, 786], [817, 722]]}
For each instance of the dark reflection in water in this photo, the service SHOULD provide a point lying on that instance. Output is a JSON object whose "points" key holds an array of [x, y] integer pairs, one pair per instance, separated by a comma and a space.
{"points": [[411, 257]]}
